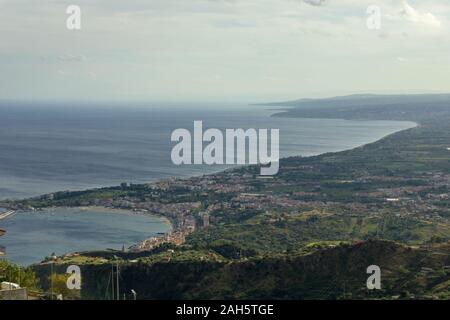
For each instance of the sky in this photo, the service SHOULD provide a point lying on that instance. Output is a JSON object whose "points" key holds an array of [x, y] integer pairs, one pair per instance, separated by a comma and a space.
{"points": [[221, 50]]}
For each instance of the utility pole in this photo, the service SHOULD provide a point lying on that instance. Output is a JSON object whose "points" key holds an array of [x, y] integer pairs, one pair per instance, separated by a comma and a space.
{"points": [[51, 280], [53, 258], [10, 283], [117, 269], [112, 281]]}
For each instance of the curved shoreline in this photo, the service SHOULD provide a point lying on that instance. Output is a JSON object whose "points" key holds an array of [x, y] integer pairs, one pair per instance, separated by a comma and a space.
{"points": [[70, 229], [292, 148], [416, 125], [171, 223]]}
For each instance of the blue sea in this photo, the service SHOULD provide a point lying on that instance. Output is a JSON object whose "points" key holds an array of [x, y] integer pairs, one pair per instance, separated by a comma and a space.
{"points": [[32, 236], [51, 147], [71, 147]]}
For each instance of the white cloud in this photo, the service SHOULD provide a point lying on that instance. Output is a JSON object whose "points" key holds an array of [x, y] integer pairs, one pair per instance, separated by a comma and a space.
{"points": [[202, 49], [413, 15], [316, 3], [72, 58]]}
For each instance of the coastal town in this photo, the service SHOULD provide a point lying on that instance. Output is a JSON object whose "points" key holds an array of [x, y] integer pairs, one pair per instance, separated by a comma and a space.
{"points": [[387, 202], [198, 202]]}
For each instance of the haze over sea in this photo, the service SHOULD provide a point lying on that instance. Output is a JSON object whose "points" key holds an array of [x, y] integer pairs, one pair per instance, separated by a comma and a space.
{"points": [[47, 148]]}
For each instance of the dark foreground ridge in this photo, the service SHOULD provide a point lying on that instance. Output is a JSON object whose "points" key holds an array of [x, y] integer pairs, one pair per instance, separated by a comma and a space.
{"points": [[308, 233]]}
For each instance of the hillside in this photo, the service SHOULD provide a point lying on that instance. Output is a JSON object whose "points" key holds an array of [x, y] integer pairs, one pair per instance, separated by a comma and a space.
{"points": [[329, 273], [310, 232], [420, 108]]}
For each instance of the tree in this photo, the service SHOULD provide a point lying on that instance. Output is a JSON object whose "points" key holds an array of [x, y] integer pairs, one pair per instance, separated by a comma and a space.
{"points": [[59, 286], [10, 272]]}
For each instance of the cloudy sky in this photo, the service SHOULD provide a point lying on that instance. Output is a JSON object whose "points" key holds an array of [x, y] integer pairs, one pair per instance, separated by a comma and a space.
{"points": [[221, 50]]}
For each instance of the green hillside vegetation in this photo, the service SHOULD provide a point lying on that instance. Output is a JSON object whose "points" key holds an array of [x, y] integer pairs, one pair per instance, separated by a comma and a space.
{"points": [[308, 233], [11, 272]]}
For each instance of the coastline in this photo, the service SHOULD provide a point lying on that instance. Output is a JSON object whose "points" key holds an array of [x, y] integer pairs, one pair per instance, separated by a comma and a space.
{"points": [[173, 222], [143, 243], [75, 230], [416, 125], [300, 136]]}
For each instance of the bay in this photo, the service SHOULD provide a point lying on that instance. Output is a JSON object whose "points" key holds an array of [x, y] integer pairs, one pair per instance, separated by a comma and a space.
{"points": [[53, 147]]}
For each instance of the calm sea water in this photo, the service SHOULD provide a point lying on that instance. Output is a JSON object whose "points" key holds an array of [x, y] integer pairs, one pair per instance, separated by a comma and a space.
{"points": [[46, 148], [32, 236]]}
